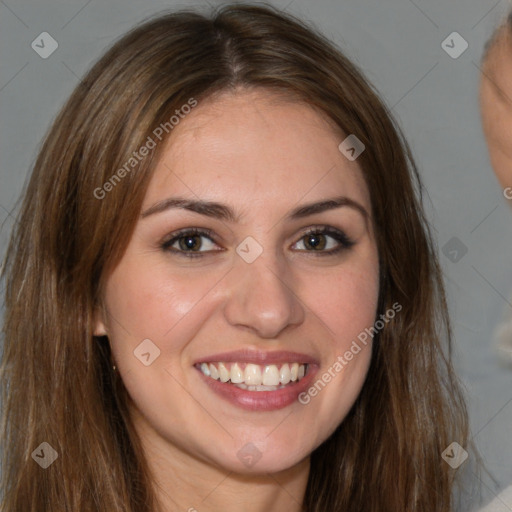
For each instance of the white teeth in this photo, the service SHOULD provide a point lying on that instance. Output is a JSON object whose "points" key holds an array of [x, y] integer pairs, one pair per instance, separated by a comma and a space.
{"points": [[258, 388], [224, 373], [237, 375], [270, 376], [284, 374], [255, 377], [214, 373], [262, 388], [205, 369], [294, 371], [252, 375]]}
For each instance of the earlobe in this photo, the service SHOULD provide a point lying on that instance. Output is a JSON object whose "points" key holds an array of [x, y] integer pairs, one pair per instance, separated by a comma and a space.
{"points": [[99, 328]]}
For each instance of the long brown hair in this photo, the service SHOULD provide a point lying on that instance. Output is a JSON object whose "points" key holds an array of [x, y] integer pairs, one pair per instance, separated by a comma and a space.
{"points": [[58, 384]]}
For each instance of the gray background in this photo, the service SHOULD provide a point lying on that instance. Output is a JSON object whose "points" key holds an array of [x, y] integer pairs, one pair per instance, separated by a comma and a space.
{"points": [[397, 43]]}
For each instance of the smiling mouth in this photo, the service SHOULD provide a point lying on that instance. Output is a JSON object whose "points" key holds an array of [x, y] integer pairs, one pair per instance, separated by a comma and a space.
{"points": [[255, 377]]}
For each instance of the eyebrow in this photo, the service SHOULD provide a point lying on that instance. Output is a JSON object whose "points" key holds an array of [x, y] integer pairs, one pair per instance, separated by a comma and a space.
{"points": [[225, 213]]}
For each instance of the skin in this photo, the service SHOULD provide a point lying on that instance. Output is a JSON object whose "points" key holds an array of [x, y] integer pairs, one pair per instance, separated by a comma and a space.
{"points": [[496, 107], [263, 156]]}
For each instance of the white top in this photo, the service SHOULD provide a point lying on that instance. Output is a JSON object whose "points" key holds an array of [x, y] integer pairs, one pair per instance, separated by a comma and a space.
{"points": [[503, 336], [502, 503]]}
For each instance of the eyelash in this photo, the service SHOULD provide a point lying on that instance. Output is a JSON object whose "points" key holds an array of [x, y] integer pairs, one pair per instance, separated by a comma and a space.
{"points": [[344, 241]]}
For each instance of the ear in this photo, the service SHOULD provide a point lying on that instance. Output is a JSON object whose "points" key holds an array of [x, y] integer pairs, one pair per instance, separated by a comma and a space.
{"points": [[100, 328]]}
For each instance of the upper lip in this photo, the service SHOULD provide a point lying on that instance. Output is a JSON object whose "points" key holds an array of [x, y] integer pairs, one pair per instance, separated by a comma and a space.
{"points": [[258, 357]]}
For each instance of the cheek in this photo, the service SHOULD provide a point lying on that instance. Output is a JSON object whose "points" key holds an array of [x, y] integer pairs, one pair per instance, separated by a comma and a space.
{"points": [[502, 166], [346, 301], [347, 305], [350, 308], [149, 302]]}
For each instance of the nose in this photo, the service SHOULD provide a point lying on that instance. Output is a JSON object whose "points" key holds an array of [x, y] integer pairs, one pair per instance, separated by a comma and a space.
{"points": [[262, 299]]}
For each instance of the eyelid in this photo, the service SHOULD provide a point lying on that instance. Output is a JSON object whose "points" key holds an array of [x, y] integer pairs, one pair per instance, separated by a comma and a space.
{"points": [[344, 241], [176, 235], [325, 228]]}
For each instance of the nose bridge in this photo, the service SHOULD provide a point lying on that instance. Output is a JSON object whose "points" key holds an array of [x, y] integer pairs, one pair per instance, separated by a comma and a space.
{"points": [[261, 294]]}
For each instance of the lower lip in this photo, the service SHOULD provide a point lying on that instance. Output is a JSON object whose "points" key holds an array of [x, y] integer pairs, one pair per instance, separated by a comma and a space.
{"points": [[261, 400]]}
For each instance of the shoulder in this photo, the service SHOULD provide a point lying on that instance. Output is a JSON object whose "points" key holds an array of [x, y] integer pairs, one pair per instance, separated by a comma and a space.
{"points": [[502, 502]]}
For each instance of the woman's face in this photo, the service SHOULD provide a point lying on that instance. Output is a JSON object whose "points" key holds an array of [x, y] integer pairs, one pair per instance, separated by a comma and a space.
{"points": [[496, 108], [249, 296]]}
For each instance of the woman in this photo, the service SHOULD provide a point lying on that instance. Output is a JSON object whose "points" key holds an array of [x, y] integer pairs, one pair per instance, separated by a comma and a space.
{"points": [[234, 300]]}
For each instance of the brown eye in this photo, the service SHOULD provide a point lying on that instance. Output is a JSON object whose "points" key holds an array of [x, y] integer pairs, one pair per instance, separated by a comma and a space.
{"points": [[190, 243], [315, 241], [325, 241]]}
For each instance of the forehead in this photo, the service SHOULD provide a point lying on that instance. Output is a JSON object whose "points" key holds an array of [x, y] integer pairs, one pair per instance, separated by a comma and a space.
{"points": [[497, 69], [496, 90], [256, 145]]}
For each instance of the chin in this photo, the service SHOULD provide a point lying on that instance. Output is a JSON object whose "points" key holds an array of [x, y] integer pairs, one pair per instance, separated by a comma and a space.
{"points": [[261, 458]]}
